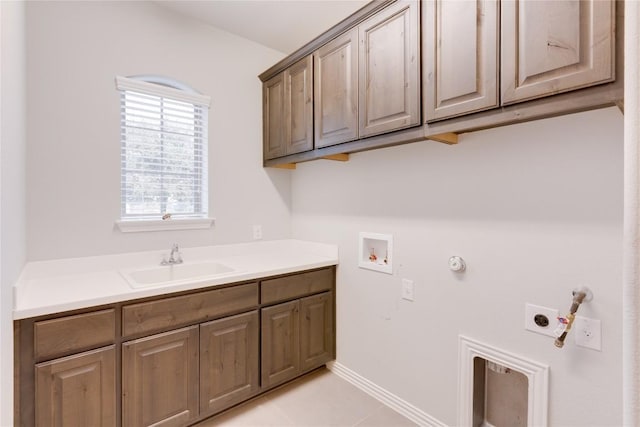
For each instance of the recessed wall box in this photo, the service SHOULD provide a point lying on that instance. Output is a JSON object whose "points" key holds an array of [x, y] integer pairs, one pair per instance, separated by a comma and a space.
{"points": [[376, 252]]}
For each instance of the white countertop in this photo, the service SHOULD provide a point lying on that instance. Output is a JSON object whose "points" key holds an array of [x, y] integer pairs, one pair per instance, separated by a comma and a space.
{"points": [[47, 287]]}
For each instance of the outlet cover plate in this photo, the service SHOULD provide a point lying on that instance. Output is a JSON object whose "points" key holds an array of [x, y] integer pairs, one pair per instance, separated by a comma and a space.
{"points": [[530, 312], [587, 332], [257, 232]]}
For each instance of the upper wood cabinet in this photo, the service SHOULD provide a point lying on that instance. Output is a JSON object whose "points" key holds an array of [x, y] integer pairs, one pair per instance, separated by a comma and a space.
{"points": [[336, 90], [273, 117], [461, 57], [365, 79], [545, 47], [287, 108], [389, 87], [298, 95], [555, 46], [491, 61]]}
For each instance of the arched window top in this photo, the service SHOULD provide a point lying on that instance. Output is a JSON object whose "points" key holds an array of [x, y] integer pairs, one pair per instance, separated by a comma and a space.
{"points": [[162, 86], [164, 81]]}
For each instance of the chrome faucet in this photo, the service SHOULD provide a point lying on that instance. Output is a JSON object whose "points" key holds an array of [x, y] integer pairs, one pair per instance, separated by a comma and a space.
{"points": [[174, 257]]}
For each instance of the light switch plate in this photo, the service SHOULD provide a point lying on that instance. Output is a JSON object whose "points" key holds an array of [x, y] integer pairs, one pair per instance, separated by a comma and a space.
{"points": [[407, 289]]}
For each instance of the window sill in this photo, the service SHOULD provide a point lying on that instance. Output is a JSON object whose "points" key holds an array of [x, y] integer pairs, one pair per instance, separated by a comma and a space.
{"points": [[135, 226]]}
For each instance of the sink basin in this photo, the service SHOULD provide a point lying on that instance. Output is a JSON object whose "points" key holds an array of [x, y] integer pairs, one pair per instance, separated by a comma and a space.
{"points": [[173, 274]]}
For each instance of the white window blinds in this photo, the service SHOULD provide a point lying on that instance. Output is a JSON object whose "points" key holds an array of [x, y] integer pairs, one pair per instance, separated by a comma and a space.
{"points": [[163, 150]]}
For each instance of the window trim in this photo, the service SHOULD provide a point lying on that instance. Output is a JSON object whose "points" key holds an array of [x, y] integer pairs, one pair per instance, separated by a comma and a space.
{"points": [[139, 225], [164, 87]]}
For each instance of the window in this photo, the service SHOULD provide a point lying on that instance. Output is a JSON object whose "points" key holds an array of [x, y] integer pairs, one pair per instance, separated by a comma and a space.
{"points": [[163, 149]]}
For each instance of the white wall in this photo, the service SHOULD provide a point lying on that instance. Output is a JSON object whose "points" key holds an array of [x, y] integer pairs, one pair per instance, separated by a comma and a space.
{"points": [[12, 185], [535, 210], [75, 51]]}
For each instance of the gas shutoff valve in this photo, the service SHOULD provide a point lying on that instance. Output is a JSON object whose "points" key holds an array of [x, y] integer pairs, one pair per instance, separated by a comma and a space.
{"points": [[456, 264]]}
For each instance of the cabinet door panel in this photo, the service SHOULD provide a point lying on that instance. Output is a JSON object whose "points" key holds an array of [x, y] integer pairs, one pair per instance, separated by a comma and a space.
{"points": [[273, 117], [78, 390], [280, 343], [316, 330], [299, 106], [555, 46], [389, 91], [460, 45], [229, 361], [160, 379], [336, 90]]}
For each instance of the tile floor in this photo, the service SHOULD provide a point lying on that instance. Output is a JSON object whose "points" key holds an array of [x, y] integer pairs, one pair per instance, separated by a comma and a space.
{"points": [[319, 399]]}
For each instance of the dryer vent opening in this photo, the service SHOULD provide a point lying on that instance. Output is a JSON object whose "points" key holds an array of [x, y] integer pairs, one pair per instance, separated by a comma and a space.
{"points": [[500, 395]]}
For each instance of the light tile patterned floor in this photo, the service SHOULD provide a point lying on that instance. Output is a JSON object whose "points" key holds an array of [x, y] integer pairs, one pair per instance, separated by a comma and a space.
{"points": [[318, 399]]}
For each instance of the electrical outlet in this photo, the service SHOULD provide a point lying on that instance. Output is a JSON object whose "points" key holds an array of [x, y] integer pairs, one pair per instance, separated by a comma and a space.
{"points": [[407, 289], [587, 332], [541, 320], [257, 232]]}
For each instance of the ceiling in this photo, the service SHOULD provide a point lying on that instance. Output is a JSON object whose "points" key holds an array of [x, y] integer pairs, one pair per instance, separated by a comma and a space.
{"points": [[283, 25]]}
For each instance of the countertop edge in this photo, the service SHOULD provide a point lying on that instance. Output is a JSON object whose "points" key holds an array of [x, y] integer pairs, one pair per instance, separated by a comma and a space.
{"points": [[121, 293]]}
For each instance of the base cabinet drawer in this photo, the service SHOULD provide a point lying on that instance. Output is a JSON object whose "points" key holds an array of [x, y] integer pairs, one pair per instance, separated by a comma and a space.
{"points": [[72, 334], [78, 390]]}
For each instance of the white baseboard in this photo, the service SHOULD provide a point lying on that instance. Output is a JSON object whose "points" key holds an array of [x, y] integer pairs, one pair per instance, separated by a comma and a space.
{"points": [[391, 400]]}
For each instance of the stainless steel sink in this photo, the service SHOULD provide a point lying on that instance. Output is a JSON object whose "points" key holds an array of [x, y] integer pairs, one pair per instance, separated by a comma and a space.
{"points": [[173, 274]]}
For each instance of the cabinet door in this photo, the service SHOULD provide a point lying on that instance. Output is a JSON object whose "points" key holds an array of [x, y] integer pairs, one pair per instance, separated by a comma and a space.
{"points": [[389, 90], [78, 390], [555, 46], [460, 40], [229, 358], [280, 343], [160, 379], [273, 117], [336, 90], [299, 106], [316, 330]]}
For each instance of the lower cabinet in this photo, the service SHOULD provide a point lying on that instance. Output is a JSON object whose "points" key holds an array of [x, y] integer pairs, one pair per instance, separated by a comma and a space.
{"points": [[78, 390], [178, 366], [280, 343], [297, 336], [163, 375], [316, 331], [229, 362], [160, 379]]}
